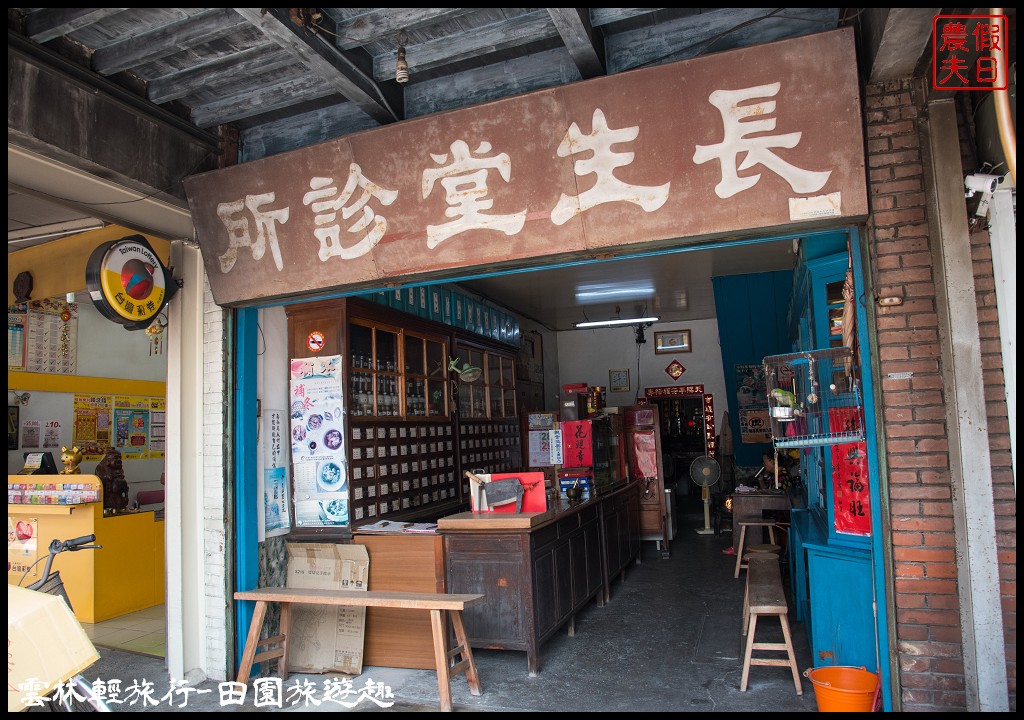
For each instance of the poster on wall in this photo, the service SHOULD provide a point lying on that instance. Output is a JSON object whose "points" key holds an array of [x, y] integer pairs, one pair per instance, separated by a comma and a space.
{"points": [[752, 399], [51, 344], [92, 425], [319, 468], [16, 340], [131, 426], [157, 427], [755, 426], [51, 434], [30, 434], [276, 514]]}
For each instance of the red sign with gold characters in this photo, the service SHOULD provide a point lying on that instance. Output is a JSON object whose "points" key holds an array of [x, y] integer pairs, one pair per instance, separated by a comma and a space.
{"points": [[654, 392], [969, 52], [675, 369], [577, 444]]}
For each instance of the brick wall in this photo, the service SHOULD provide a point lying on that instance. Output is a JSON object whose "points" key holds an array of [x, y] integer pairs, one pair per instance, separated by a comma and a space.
{"points": [[215, 500], [928, 633]]}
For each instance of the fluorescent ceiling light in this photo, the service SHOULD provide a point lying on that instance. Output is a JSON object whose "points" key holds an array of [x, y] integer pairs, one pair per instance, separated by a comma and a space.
{"points": [[585, 292], [616, 321]]}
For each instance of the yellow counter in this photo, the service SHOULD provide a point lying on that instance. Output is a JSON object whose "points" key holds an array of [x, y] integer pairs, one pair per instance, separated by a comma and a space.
{"points": [[125, 575]]}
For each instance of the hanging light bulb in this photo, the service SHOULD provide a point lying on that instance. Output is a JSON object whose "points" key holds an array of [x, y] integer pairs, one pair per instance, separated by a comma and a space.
{"points": [[401, 66]]}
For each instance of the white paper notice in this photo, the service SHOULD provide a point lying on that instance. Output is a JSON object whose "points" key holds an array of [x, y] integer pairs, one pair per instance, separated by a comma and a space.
{"points": [[820, 206]]}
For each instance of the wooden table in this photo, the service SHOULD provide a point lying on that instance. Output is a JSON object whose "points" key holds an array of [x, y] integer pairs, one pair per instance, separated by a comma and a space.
{"points": [[436, 603], [753, 505]]}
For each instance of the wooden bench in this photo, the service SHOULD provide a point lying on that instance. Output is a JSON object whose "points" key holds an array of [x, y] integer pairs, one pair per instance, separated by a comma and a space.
{"points": [[436, 603], [766, 596]]}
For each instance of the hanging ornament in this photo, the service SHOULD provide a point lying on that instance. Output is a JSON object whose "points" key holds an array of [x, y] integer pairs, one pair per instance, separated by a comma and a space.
{"points": [[155, 332], [65, 332]]}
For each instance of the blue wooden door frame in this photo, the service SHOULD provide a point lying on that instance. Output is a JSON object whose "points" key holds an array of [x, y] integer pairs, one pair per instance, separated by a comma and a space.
{"points": [[245, 464]]}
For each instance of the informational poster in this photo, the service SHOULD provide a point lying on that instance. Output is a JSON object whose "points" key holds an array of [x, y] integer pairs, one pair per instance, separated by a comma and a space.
{"points": [[51, 434], [92, 425], [755, 426], [752, 398], [51, 344], [16, 322], [545, 448], [22, 548], [30, 434], [276, 514], [157, 427], [134, 424], [318, 442], [131, 426]]}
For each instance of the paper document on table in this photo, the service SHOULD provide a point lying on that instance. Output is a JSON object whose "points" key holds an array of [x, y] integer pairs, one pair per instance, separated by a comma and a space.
{"points": [[422, 528], [383, 526]]}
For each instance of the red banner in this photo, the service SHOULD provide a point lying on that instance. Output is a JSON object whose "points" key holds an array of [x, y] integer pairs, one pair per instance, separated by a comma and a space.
{"points": [[577, 443], [851, 499]]}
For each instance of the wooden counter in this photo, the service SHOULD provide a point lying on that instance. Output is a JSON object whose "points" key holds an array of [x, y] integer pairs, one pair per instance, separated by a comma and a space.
{"points": [[537, 572], [406, 562]]}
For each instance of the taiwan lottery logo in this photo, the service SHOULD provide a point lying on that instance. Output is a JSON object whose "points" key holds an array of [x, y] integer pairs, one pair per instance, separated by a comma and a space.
{"points": [[127, 282]]}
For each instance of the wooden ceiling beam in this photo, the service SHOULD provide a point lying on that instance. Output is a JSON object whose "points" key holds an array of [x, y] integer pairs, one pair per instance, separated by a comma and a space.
{"points": [[338, 70], [583, 42]]}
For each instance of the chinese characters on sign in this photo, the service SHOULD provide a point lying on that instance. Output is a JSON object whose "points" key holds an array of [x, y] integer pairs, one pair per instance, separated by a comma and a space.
{"points": [[654, 392], [577, 444], [850, 494], [480, 186], [969, 52], [276, 513], [317, 441]]}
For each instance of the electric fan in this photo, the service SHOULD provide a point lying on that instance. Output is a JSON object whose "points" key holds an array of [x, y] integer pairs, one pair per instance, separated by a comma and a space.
{"points": [[706, 472]]}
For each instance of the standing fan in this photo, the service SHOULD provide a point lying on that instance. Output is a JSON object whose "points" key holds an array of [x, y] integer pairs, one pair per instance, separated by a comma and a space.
{"points": [[705, 472]]}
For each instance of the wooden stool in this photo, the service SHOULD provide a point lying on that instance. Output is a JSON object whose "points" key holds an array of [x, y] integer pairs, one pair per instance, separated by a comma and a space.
{"points": [[765, 596], [744, 523]]}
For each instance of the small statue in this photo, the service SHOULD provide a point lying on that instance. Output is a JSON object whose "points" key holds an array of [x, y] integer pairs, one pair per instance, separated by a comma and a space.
{"points": [[72, 459], [115, 488]]}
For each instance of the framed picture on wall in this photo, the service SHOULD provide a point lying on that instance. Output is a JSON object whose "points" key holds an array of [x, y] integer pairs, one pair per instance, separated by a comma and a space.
{"points": [[672, 341]]}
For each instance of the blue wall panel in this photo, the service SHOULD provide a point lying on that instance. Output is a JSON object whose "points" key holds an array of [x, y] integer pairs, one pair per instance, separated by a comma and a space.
{"points": [[751, 313]]}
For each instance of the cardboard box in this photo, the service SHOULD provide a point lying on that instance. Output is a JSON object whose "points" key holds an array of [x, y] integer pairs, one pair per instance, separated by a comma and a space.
{"points": [[323, 638], [45, 645]]}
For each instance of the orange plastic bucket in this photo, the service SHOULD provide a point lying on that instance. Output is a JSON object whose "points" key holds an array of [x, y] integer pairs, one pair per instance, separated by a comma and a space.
{"points": [[843, 689]]}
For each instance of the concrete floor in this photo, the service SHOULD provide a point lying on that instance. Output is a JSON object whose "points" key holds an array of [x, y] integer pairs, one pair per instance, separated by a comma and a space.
{"points": [[669, 640]]}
